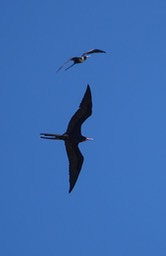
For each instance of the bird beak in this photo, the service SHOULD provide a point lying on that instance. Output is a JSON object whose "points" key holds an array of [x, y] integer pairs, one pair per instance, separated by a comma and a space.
{"points": [[89, 139]]}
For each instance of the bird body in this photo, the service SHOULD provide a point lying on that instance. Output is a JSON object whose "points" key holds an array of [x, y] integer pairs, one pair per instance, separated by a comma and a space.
{"points": [[73, 136], [66, 137], [81, 59]]}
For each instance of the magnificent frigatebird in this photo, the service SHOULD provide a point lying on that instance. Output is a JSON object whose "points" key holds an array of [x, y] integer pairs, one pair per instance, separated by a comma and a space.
{"points": [[81, 59], [72, 137]]}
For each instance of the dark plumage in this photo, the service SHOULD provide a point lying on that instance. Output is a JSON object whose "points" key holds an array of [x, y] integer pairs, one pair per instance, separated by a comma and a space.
{"points": [[81, 59], [72, 137]]}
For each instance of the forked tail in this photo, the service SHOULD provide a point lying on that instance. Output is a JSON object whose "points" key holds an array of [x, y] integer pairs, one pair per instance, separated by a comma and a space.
{"points": [[51, 136]]}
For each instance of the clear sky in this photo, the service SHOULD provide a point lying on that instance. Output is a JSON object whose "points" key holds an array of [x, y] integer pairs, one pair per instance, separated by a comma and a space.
{"points": [[118, 206]]}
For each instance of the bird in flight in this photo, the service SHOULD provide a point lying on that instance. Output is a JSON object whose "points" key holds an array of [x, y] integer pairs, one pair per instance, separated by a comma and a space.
{"points": [[72, 137], [81, 59]]}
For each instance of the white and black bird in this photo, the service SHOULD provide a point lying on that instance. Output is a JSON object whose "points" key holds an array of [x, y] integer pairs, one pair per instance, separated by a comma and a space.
{"points": [[81, 59]]}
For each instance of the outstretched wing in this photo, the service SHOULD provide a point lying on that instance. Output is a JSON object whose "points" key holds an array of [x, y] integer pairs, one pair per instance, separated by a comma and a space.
{"points": [[93, 51], [75, 162], [64, 64], [70, 66], [84, 111]]}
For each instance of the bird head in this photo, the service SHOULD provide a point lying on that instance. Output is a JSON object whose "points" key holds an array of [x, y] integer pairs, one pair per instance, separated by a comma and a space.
{"points": [[83, 139], [86, 56]]}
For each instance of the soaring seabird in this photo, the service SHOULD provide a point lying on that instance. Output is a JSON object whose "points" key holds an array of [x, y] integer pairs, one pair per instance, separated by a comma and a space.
{"points": [[81, 59], [72, 137]]}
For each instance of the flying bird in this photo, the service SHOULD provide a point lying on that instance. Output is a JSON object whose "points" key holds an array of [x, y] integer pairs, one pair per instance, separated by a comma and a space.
{"points": [[81, 59], [72, 137]]}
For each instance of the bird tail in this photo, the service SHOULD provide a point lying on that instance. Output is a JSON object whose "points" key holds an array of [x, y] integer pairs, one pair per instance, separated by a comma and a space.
{"points": [[51, 136]]}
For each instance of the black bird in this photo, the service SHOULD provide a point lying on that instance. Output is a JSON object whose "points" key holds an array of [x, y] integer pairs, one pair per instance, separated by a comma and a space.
{"points": [[72, 137], [80, 59]]}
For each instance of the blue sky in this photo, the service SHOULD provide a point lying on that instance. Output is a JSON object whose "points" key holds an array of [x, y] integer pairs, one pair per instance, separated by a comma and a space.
{"points": [[118, 205]]}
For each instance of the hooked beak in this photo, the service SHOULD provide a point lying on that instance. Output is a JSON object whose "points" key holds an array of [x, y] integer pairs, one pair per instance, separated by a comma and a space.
{"points": [[89, 139]]}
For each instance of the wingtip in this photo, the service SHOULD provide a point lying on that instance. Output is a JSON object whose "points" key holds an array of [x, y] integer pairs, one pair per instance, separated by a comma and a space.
{"points": [[71, 186], [88, 88], [58, 70], [70, 189]]}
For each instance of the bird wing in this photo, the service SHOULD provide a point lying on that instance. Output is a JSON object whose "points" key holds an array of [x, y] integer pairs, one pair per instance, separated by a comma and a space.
{"points": [[93, 51], [70, 66], [75, 162], [64, 64], [84, 111]]}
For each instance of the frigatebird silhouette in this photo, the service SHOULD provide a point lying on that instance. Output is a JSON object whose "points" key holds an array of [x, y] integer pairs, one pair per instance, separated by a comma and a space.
{"points": [[80, 59], [72, 137]]}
